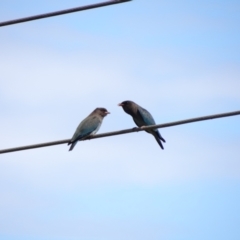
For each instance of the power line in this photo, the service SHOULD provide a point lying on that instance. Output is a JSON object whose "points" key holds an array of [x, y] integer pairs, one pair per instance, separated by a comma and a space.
{"points": [[71, 10], [125, 131]]}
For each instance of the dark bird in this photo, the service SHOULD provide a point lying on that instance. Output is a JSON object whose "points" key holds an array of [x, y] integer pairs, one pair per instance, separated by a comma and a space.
{"points": [[89, 126], [142, 118]]}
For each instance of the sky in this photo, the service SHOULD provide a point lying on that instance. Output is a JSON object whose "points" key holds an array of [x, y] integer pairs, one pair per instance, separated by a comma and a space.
{"points": [[177, 59]]}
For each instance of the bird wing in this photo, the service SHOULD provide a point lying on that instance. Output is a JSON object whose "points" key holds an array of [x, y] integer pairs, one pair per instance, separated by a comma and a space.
{"points": [[148, 120], [88, 126], [145, 116]]}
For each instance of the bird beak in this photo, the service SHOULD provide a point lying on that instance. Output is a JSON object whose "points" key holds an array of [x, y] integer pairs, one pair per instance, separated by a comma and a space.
{"points": [[107, 112], [120, 104]]}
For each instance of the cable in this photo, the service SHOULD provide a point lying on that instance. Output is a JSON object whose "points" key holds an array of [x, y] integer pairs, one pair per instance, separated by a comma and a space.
{"points": [[124, 131], [71, 10]]}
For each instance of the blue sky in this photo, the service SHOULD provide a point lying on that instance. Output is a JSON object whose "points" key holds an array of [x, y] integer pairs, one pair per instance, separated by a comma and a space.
{"points": [[178, 60]]}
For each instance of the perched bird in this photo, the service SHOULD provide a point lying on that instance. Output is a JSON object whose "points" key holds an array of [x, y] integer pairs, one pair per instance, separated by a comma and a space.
{"points": [[142, 118], [89, 126]]}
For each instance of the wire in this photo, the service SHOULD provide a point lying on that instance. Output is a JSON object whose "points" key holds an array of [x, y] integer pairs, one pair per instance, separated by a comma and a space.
{"points": [[125, 131], [52, 14]]}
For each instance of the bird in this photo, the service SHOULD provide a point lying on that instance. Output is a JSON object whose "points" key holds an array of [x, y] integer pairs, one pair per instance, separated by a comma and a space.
{"points": [[142, 118], [88, 126]]}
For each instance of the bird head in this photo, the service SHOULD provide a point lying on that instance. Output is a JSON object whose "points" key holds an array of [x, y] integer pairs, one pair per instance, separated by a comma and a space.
{"points": [[102, 111], [127, 106]]}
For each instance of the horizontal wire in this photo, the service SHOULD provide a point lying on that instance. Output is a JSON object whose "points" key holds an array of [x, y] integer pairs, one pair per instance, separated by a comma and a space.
{"points": [[52, 14], [125, 131]]}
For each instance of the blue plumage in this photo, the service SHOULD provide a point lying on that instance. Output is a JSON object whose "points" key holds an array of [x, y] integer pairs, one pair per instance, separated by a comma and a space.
{"points": [[89, 126], [142, 118]]}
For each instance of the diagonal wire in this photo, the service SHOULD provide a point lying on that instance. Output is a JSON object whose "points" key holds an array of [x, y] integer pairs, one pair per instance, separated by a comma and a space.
{"points": [[125, 131], [66, 11]]}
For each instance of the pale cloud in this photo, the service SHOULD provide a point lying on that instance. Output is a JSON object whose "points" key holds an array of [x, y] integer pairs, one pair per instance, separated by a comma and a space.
{"points": [[46, 77]]}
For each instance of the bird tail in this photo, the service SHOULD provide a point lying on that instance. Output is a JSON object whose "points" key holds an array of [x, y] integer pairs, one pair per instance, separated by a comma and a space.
{"points": [[159, 138], [72, 145], [159, 142]]}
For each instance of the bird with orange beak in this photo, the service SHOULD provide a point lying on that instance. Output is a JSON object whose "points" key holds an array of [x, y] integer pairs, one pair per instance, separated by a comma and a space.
{"points": [[142, 118], [89, 126]]}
